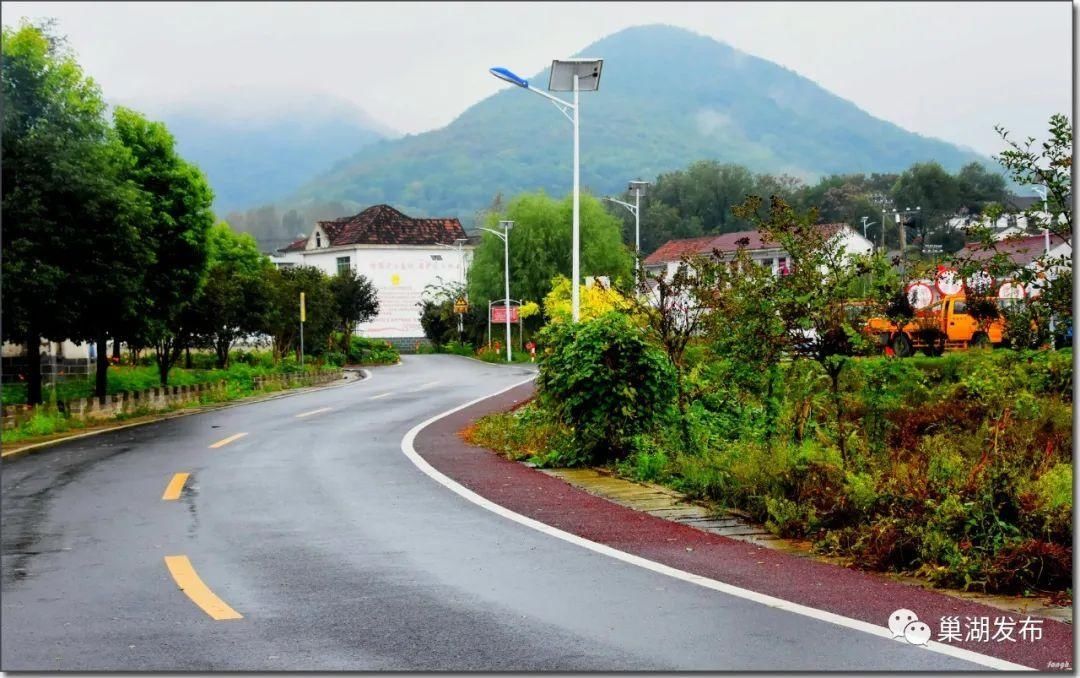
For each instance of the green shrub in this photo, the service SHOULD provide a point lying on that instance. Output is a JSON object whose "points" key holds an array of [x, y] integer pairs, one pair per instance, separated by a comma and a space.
{"points": [[647, 461], [366, 351], [606, 381], [1054, 488]]}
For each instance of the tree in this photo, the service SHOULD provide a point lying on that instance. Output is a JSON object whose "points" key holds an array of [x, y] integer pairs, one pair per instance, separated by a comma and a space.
{"points": [[70, 251], [978, 187], [675, 309], [540, 248], [175, 233], [355, 302], [282, 320], [810, 302], [934, 191], [235, 299], [595, 300], [1048, 165]]}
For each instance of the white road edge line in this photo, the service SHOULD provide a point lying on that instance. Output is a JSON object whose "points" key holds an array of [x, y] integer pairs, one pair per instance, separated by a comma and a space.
{"points": [[603, 549]]}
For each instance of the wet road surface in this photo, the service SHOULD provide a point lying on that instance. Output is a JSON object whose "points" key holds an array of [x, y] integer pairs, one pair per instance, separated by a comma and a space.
{"points": [[336, 553]]}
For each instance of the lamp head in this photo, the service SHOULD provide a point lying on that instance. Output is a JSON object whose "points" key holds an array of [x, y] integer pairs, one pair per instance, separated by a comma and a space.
{"points": [[509, 76]]}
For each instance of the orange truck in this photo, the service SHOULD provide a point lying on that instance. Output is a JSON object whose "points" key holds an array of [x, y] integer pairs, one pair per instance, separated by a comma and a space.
{"points": [[944, 325]]}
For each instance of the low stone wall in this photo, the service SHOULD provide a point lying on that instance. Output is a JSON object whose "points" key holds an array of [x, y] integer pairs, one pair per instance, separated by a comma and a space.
{"points": [[276, 381], [160, 398], [406, 345]]}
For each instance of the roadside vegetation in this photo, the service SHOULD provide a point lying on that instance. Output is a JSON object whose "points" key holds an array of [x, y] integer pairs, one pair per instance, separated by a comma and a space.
{"points": [[767, 393]]}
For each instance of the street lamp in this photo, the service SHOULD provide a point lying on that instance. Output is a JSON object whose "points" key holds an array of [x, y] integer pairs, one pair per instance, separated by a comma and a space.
{"points": [[567, 75], [505, 236], [637, 188], [864, 225]]}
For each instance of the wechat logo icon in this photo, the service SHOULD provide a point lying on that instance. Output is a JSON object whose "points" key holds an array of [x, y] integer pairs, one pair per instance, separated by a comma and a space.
{"points": [[905, 624]]}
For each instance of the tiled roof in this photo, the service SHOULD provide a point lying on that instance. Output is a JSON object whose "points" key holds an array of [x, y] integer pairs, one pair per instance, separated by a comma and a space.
{"points": [[675, 250], [384, 225], [295, 246], [1022, 251]]}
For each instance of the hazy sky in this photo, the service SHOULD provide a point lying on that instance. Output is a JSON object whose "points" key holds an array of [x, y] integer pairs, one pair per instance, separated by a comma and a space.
{"points": [[949, 70]]}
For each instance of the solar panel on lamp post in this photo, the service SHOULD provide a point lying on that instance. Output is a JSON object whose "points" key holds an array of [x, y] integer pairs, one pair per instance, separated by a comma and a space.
{"points": [[567, 75]]}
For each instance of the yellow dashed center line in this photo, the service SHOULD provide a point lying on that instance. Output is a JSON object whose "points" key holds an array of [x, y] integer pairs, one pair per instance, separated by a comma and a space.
{"points": [[226, 441], [188, 580], [318, 411], [175, 487]]}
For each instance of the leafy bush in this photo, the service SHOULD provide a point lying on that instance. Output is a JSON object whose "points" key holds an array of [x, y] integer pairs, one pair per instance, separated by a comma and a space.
{"points": [[334, 358], [530, 433], [365, 351], [606, 381]]}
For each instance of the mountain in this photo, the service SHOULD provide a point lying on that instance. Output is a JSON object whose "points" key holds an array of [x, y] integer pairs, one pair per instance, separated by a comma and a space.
{"points": [[667, 97], [255, 150]]}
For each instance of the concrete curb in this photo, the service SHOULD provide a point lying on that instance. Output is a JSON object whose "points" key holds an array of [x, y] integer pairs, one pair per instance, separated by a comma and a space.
{"points": [[213, 407]]}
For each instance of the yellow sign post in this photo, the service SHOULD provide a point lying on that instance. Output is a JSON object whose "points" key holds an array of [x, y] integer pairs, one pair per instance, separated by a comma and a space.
{"points": [[303, 317]]}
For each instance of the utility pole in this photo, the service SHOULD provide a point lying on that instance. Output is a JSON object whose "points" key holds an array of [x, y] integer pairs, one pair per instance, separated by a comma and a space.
{"points": [[902, 226]]}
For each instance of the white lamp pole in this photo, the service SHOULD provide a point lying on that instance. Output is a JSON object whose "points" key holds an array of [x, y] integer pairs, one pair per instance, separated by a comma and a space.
{"points": [[567, 75], [637, 188], [505, 235], [576, 266]]}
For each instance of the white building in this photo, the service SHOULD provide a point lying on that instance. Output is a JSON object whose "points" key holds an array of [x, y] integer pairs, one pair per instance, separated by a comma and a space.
{"points": [[666, 259], [399, 254]]}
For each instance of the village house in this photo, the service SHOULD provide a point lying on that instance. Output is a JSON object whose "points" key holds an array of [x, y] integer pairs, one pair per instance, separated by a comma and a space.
{"points": [[1029, 251], [765, 253], [401, 255]]}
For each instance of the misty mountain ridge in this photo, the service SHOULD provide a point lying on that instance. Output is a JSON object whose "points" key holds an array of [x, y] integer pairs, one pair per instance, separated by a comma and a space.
{"points": [[667, 97], [256, 146]]}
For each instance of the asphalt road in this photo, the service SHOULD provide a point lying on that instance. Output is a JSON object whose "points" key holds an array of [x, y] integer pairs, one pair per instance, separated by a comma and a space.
{"points": [[339, 554]]}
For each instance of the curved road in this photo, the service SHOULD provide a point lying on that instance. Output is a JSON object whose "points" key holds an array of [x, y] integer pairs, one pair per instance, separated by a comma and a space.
{"points": [[337, 553]]}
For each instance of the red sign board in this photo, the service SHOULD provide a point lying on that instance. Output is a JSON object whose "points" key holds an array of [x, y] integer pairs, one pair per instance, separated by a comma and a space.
{"points": [[498, 314]]}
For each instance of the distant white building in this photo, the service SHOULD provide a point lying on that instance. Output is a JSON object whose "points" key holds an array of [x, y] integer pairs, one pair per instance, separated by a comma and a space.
{"points": [[399, 254], [765, 253], [1012, 223]]}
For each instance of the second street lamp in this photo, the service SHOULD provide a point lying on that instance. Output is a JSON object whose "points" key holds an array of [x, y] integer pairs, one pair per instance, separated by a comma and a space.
{"points": [[567, 75], [505, 236], [637, 188]]}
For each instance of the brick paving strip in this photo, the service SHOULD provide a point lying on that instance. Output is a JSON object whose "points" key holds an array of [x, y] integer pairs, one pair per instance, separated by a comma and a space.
{"points": [[852, 593]]}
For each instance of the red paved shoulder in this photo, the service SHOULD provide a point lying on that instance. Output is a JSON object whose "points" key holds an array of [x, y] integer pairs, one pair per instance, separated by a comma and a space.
{"points": [[851, 593]]}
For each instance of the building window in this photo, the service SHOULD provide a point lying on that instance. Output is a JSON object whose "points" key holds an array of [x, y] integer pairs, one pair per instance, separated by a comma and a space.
{"points": [[285, 264], [343, 264], [318, 239], [436, 257]]}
